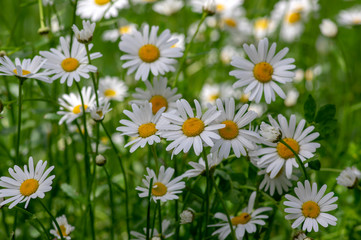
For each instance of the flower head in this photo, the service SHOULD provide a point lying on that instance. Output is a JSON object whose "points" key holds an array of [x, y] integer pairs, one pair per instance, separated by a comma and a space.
{"points": [[349, 177], [200, 167], [328, 28], [65, 227], [98, 9], [270, 133], [187, 216], [112, 88], [98, 112], [86, 34]]}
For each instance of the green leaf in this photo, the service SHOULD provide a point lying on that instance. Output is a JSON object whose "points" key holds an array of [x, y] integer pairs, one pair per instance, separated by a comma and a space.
{"points": [[315, 165], [326, 113], [309, 108]]}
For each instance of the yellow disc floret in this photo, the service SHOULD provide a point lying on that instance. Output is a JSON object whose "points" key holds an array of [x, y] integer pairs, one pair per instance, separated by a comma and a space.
{"points": [[263, 72], [24, 72], [109, 93], [230, 131], [293, 17], [230, 22], [193, 127], [159, 189], [243, 218], [261, 23], [101, 2], [149, 53], [147, 130], [310, 209], [78, 108], [29, 187], [70, 64], [286, 153], [158, 102]]}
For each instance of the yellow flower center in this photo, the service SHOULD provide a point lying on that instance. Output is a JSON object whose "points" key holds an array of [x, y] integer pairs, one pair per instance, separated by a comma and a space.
{"points": [[63, 231], [230, 22], [261, 24], [284, 151], [244, 98], [310, 209], [147, 130], [243, 218], [104, 140], [29, 187], [78, 108], [220, 7], [230, 131], [158, 102], [101, 2], [293, 17], [263, 72], [193, 127], [356, 21], [213, 97], [24, 72], [159, 189], [109, 93], [149, 53], [70, 64], [124, 29]]}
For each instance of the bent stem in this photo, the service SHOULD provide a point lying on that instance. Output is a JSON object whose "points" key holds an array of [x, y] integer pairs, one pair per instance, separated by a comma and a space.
{"points": [[206, 199], [54, 220], [298, 159]]}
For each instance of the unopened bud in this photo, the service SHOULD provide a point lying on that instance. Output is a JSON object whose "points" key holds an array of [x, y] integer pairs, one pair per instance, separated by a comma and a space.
{"points": [[209, 7], [2, 53], [187, 216], [100, 160], [43, 30], [270, 133]]}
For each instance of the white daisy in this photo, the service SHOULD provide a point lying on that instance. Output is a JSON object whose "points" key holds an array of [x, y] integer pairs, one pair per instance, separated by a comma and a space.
{"points": [[244, 222], [291, 98], [65, 227], [234, 136], [114, 34], [349, 177], [310, 207], [276, 155], [28, 68], [329, 28], [146, 52], [186, 129], [200, 167], [98, 112], [263, 27], [350, 17], [25, 185], [112, 88], [263, 71], [142, 126], [187, 216], [86, 34], [98, 9], [168, 7], [280, 182], [71, 105], [221, 7], [211, 92], [159, 94], [164, 234], [69, 65], [162, 189], [301, 236]]}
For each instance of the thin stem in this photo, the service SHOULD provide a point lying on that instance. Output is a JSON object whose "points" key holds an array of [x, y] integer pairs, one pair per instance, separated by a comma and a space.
{"points": [[54, 220], [207, 192], [148, 210], [92, 75], [155, 158], [298, 159], [111, 203], [159, 218], [74, 21], [17, 159]]}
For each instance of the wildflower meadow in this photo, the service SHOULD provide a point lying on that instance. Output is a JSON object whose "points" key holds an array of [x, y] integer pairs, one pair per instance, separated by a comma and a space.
{"points": [[180, 119]]}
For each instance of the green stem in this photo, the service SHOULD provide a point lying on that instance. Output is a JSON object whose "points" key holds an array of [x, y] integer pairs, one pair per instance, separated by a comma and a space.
{"points": [[160, 219], [148, 210], [111, 203], [74, 21], [54, 220], [17, 159], [92, 75], [207, 192], [154, 152], [41, 14]]}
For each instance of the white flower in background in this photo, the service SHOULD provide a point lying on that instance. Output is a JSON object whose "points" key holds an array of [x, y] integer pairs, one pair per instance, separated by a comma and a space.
{"points": [[234, 136], [280, 182], [98, 9], [209, 6], [113, 35], [328, 28], [26, 184], [263, 27], [276, 156], [270, 133], [211, 92], [86, 34], [142, 127], [349, 177], [168, 7], [227, 53], [163, 188], [112, 88], [310, 207], [180, 37], [246, 221], [221, 6], [65, 227], [301, 236], [69, 65], [299, 75], [98, 113], [200, 167], [350, 17], [146, 52], [158, 94], [263, 71], [185, 129], [187, 216], [156, 236], [28, 68], [259, 108], [291, 98], [71, 105], [48, 2]]}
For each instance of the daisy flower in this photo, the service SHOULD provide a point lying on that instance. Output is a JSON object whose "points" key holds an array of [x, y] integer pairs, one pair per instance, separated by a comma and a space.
{"points": [[146, 52], [234, 136], [263, 71], [142, 126], [97, 113], [187, 216], [310, 207], [244, 222], [328, 28], [158, 94], [211, 92], [97, 9], [280, 182], [69, 65], [301, 236], [86, 34], [168, 7], [28, 68], [156, 235], [276, 155], [25, 185], [200, 167], [71, 105], [114, 34], [65, 227], [349, 177], [221, 6], [350, 17], [263, 27], [186, 129], [112, 88], [162, 189]]}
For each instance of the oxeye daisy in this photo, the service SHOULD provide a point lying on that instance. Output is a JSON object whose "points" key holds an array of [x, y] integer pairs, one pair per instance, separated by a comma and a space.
{"points": [[186, 129], [163, 188], [280, 182], [168, 7], [28, 68], [26, 184], [234, 136], [246, 221], [310, 207], [71, 105], [65, 227], [146, 52], [69, 65], [163, 235], [263, 27], [349, 177], [350, 17], [97, 113], [277, 155], [211, 92], [112, 88], [262, 73], [86, 34], [98, 9], [158, 94], [142, 126], [200, 167]]}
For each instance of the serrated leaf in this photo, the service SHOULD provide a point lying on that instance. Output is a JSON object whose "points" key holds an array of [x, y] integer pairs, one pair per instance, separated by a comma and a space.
{"points": [[326, 113], [315, 165], [310, 108]]}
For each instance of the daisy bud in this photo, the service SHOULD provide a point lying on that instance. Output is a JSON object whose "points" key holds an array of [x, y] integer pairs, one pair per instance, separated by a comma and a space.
{"points": [[270, 133], [98, 112], [349, 177], [187, 216], [86, 34], [100, 160], [2, 53], [156, 238], [328, 28], [301, 236], [43, 30], [209, 7]]}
